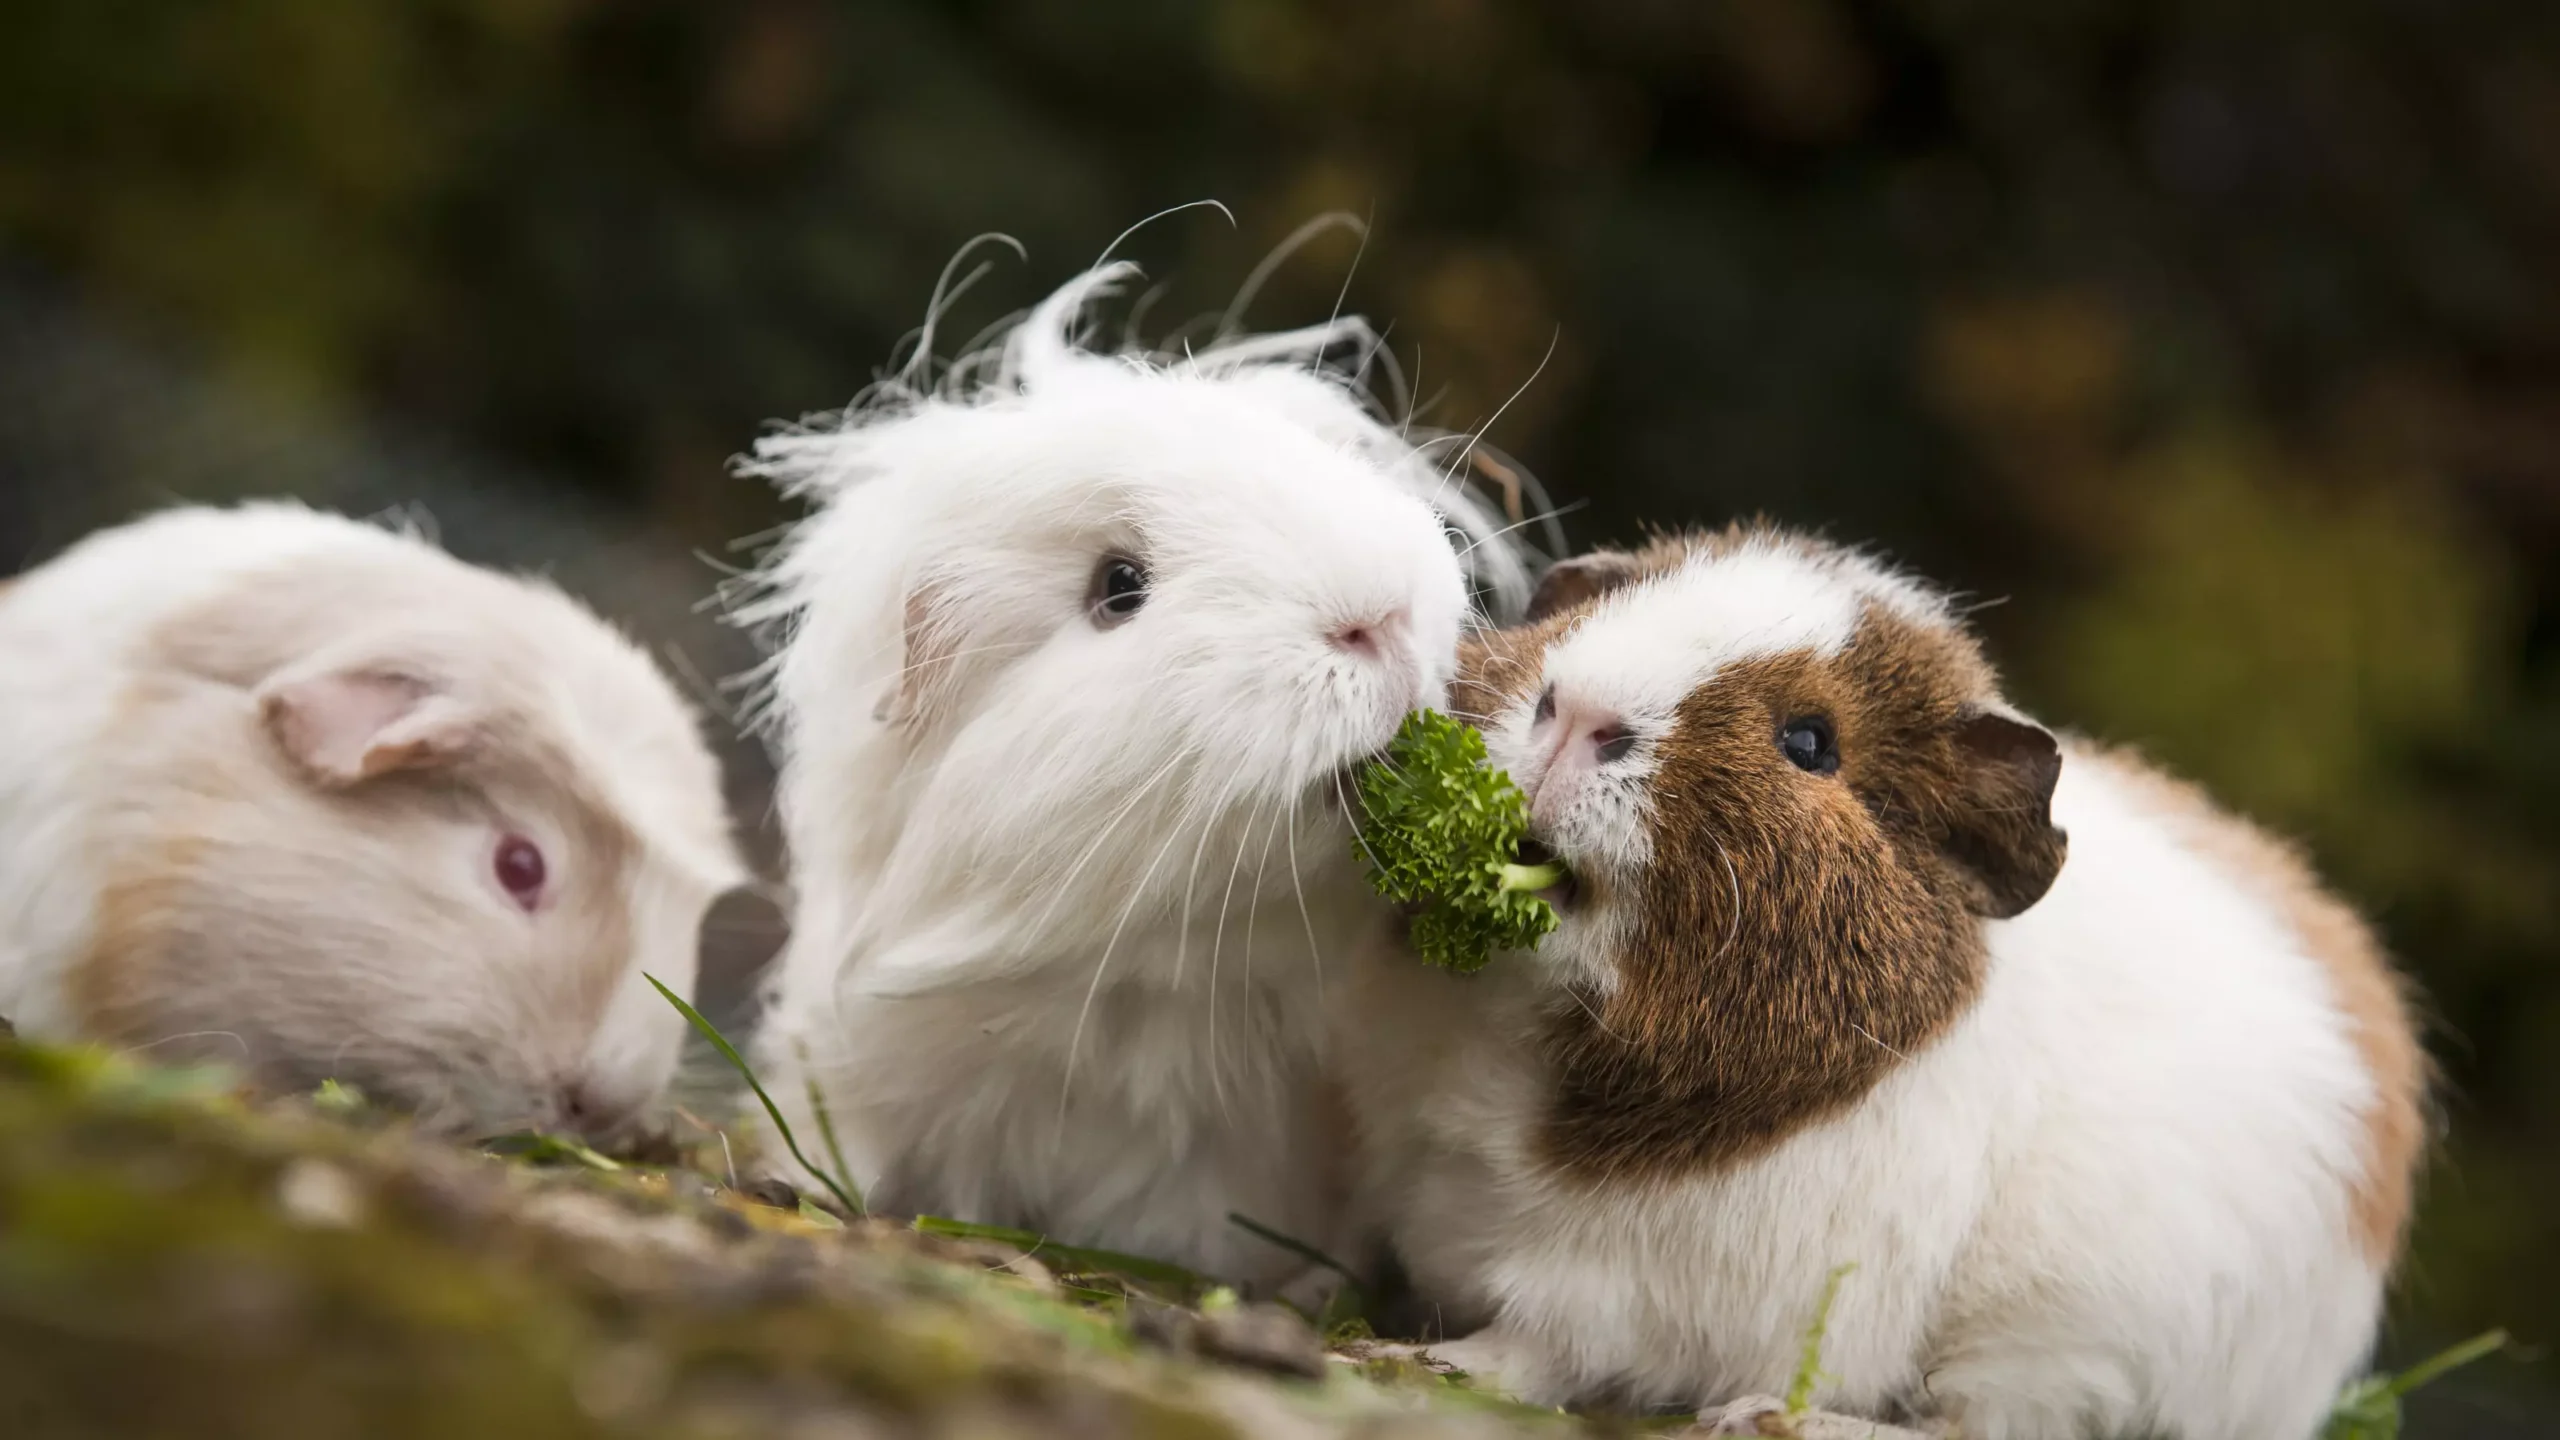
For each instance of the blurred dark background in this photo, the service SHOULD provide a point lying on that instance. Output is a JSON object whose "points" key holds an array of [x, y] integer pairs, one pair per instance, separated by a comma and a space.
{"points": [[2221, 341]]}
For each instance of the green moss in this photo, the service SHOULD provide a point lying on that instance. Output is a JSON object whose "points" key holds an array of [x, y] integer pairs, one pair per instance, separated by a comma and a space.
{"points": [[177, 1262]]}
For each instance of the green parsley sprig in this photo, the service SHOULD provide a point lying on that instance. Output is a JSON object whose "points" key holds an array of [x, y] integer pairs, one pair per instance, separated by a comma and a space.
{"points": [[1442, 828]]}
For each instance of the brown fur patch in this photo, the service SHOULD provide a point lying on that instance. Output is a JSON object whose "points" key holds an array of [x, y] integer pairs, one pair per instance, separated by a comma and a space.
{"points": [[1572, 583], [116, 989], [2369, 990]]}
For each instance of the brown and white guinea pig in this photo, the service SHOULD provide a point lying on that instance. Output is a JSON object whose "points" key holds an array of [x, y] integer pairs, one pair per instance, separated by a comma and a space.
{"points": [[287, 790], [2122, 1145]]}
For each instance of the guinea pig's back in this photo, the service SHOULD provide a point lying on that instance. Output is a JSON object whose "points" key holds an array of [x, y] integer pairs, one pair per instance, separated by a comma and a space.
{"points": [[2223, 1079], [2204, 941], [102, 596]]}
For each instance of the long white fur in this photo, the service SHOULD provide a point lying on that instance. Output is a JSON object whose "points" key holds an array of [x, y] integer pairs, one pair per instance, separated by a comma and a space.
{"points": [[2114, 1200], [108, 755], [1062, 943]]}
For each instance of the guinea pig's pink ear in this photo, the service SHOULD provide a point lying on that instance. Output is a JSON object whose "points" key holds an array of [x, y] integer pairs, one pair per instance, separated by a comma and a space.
{"points": [[2002, 831], [346, 726], [929, 670], [1568, 583]]}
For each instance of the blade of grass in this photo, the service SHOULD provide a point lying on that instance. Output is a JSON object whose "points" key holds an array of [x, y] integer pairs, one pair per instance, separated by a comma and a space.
{"points": [[2435, 1367], [844, 1189], [826, 1122], [1136, 1267], [2369, 1409], [537, 1147], [1293, 1245], [333, 1098], [1809, 1373]]}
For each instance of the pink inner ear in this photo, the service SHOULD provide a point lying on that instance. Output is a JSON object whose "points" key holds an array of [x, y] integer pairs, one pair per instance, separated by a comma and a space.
{"points": [[933, 640], [354, 725]]}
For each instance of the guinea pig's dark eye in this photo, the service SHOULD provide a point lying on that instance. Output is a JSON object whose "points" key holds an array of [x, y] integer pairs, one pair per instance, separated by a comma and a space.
{"points": [[521, 870], [1546, 706], [1810, 745], [1119, 588]]}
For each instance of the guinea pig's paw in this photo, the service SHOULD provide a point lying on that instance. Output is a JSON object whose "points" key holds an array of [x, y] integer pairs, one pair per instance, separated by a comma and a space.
{"points": [[1492, 1362], [1750, 1415], [1767, 1415], [1310, 1290]]}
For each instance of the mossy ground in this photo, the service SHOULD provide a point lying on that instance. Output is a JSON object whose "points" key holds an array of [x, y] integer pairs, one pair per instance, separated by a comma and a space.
{"points": [[178, 1260]]}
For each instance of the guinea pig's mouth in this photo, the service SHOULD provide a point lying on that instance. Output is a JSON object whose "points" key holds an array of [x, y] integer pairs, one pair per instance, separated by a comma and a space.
{"points": [[1564, 893]]}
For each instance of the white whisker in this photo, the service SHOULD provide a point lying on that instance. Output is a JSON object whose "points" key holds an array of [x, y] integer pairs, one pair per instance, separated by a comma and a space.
{"points": [[1182, 941], [1253, 902], [1297, 887], [1491, 420], [1596, 1022], [231, 1035], [1279, 256], [1116, 241], [1128, 907], [1218, 941], [1733, 928], [1861, 1029], [1066, 881], [945, 294]]}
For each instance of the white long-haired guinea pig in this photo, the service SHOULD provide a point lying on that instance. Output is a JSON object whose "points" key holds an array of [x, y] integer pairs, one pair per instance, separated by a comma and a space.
{"points": [[283, 788], [2123, 1145], [1079, 649]]}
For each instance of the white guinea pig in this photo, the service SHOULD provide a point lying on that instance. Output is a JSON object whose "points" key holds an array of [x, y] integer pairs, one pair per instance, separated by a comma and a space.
{"points": [[2119, 1146], [282, 788], [1078, 653]]}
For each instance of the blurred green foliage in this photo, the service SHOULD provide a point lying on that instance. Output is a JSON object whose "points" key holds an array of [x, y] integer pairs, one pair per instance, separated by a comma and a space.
{"points": [[2222, 342]]}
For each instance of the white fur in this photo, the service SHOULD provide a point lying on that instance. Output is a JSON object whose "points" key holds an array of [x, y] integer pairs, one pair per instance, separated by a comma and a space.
{"points": [[1063, 939], [2113, 1200], [357, 932]]}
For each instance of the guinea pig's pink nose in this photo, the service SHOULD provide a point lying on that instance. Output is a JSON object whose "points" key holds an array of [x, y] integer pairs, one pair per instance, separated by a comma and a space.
{"points": [[1579, 738], [1369, 638]]}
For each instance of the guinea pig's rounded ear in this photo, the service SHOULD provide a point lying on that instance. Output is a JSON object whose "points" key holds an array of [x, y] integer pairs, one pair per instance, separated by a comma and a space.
{"points": [[1583, 578], [929, 669], [343, 727], [2002, 832]]}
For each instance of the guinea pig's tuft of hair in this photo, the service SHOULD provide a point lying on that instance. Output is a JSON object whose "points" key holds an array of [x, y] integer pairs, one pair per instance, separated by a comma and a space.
{"points": [[1317, 375], [2115, 1110], [296, 792], [1071, 662]]}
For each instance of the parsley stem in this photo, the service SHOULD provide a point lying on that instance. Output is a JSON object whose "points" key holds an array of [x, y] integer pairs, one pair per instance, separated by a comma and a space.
{"points": [[1531, 877]]}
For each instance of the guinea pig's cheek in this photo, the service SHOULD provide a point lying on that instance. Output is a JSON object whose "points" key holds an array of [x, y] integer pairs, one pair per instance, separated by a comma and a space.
{"points": [[1579, 951], [1600, 830], [1507, 748], [1430, 687]]}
